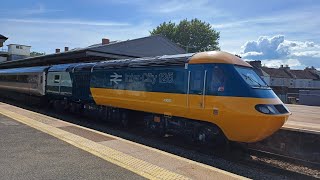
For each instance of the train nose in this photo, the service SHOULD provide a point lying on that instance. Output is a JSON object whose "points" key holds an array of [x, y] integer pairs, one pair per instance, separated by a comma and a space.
{"points": [[270, 126]]}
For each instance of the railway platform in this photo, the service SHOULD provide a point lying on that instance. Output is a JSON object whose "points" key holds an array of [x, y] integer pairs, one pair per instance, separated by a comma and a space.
{"points": [[299, 137], [36, 146], [303, 118]]}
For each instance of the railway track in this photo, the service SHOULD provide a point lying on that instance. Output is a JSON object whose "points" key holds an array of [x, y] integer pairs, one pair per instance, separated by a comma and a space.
{"points": [[251, 163], [289, 159]]}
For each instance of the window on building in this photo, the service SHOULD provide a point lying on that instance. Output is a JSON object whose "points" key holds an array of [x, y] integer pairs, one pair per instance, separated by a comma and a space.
{"points": [[19, 47]]}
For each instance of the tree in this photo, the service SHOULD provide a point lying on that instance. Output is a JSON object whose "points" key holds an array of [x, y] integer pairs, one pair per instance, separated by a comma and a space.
{"points": [[33, 53], [194, 35]]}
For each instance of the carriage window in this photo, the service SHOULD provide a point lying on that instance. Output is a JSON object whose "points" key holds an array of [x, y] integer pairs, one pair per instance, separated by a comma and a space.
{"points": [[56, 78], [22, 78]]}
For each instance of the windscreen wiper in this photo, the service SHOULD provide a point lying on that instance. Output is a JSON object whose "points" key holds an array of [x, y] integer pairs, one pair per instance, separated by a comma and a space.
{"points": [[248, 77]]}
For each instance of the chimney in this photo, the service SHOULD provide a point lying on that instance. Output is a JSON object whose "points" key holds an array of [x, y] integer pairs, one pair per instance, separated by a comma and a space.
{"points": [[287, 67], [256, 64], [105, 41], [66, 48], [57, 50]]}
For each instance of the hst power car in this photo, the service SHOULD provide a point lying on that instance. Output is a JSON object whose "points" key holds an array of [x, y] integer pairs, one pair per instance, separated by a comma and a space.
{"points": [[209, 95]]}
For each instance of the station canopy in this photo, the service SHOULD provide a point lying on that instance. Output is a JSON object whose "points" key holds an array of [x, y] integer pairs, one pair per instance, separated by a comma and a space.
{"points": [[142, 47]]}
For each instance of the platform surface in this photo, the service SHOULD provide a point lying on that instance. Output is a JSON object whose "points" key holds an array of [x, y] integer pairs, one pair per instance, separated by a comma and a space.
{"points": [[26, 153], [304, 118], [36, 146]]}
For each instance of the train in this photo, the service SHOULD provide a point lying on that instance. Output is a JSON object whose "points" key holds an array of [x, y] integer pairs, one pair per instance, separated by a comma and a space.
{"points": [[212, 96]]}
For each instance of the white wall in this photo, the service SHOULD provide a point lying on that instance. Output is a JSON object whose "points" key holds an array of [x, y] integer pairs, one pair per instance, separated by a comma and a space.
{"points": [[280, 82], [19, 49], [306, 83]]}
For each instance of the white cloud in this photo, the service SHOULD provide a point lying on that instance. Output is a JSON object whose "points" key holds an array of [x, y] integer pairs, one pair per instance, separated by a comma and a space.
{"points": [[277, 50], [172, 6], [298, 24], [275, 63], [67, 22], [315, 54], [266, 48], [252, 53], [38, 9], [35, 9]]}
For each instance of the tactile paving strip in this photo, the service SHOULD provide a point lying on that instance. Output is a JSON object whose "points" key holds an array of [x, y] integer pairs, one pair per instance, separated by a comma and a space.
{"points": [[86, 133]]}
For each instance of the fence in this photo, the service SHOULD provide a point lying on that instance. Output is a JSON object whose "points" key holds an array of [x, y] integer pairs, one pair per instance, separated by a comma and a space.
{"points": [[309, 97]]}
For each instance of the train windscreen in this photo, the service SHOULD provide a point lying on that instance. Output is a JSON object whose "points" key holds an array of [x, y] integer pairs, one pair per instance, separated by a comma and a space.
{"points": [[251, 77]]}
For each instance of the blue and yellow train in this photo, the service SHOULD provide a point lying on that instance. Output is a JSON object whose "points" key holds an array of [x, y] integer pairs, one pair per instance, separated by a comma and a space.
{"points": [[208, 95]]}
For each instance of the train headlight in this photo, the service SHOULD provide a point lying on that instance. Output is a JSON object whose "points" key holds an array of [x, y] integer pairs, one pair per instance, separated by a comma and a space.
{"points": [[265, 109]]}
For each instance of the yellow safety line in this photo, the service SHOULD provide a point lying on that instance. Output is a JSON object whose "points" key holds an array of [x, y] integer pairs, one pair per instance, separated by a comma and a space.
{"points": [[146, 147], [126, 161]]}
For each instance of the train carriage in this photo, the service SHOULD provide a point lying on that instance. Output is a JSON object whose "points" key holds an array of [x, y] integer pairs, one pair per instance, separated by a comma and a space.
{"points": [[59, 82], [29, 81]]}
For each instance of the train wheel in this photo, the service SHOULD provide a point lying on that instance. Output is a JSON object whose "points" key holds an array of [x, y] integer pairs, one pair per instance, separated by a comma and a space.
{"points": [[58, 106], [202, 135], [155, 125], [211, 136]]}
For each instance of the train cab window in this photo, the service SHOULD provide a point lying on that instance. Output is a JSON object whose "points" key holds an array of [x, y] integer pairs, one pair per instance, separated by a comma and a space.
{"points": [[251, 77], [56, 79], [217, 81]]}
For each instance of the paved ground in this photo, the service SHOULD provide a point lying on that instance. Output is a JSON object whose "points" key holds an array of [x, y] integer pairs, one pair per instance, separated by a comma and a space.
{"points": [[304, 117], [55, 149], [26, 153]]}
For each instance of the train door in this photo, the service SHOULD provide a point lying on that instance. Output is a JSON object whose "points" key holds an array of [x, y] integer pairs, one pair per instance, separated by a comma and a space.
{"points": [[197, 76]]}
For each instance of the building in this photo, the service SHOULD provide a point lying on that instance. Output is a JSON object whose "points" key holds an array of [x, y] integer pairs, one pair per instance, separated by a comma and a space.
{"points": [[286, 82], [18, 51], [14, 51], [142, 47], [3, 53]]}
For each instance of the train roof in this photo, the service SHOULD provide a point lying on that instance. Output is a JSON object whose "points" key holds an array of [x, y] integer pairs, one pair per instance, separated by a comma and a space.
{"points": [[217, 57], [62, 67], [179, 59], [36, 69], [165, 60], [83, 67]]}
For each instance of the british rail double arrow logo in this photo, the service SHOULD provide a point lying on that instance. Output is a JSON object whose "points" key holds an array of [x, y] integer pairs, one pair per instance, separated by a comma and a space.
{"points": [[115, 78]]}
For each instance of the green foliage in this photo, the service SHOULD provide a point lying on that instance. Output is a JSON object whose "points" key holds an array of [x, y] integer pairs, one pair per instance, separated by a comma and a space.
{"points": [[194, 35], [33, 53]]}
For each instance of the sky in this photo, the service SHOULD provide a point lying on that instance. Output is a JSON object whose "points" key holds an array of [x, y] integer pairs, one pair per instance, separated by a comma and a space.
{"points": [[276, 32]]}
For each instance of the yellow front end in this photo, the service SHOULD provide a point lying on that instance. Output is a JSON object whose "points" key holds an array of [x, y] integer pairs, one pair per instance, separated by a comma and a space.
{"points": [[241, 122]]}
